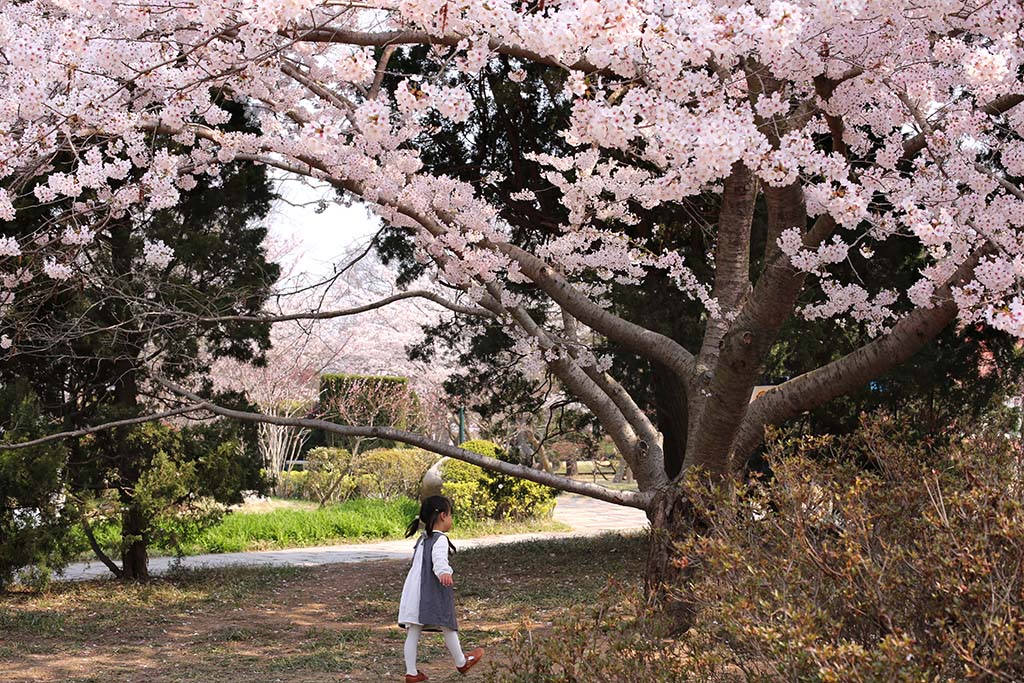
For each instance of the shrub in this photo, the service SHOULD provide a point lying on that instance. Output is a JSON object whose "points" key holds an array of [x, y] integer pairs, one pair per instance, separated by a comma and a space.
{"points": [[378, 400], [293, 484], [469, 498], [869, 558], [334, 475], [612, 639], [480, 494], [331, 476], [390, 472], [188, 478], [35, 523]]}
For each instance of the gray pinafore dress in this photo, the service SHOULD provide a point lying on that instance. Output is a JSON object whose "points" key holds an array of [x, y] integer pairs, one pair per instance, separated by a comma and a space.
{"points": [[437, 602]]}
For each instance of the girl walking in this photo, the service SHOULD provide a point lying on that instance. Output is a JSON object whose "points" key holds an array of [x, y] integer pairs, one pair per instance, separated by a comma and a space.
{"points": [[428, 600]]}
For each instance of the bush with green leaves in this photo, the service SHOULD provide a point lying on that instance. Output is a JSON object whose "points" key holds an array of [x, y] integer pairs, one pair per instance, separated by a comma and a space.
{"points": [[334, 475], [188, 478], [35, 519], [392, 472], [466, 486], [874, 557], [293, 484], [479, 493], [614, 638], [375, 400], [330, 475]]}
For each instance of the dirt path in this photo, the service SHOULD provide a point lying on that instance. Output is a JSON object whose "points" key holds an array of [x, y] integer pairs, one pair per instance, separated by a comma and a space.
{"points": [[290, 625]]}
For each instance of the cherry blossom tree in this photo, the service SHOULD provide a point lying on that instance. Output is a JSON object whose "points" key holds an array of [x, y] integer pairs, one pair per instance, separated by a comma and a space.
{"points": [[826, 131], [302, 350]]}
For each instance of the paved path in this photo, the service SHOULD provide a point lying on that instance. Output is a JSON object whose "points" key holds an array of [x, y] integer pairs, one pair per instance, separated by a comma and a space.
{"points": [[586, 516]]}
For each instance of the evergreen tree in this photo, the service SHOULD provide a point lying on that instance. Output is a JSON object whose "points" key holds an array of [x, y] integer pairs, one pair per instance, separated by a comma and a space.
{"points": [[157, 277]]}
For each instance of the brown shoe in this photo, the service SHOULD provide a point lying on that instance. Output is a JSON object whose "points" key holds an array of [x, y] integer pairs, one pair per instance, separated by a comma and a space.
{"points": [[471, 659], [420, 676]]}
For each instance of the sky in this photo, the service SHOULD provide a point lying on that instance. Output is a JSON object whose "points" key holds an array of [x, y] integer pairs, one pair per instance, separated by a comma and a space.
{"points": [[321, 237], [314, 242]]}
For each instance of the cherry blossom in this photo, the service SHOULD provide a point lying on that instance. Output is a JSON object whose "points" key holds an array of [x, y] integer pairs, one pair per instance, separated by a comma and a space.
{"points": [[855, 123], [157, 255]]}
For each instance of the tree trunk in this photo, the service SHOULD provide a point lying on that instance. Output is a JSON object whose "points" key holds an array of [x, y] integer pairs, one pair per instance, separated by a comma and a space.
{"points": [[97, 550], [667, 586], [622, 472], [672, 410], [545, 462], [126, 348], [134, 557]]}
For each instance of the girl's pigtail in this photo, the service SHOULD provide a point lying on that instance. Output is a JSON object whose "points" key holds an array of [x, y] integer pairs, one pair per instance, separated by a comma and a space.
{"points": [[413, 527], [429, 510]]}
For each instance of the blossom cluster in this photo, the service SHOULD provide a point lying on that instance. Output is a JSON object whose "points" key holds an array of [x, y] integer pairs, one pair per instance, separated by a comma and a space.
{"points": [[881, 127], [157, 255]]}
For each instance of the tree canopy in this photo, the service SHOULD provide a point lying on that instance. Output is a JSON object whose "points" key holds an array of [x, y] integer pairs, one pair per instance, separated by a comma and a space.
{"points": [[781, 165]]}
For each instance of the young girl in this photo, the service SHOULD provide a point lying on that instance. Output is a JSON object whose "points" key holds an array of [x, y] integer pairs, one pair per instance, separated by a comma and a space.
{"points": [[428, 601]]}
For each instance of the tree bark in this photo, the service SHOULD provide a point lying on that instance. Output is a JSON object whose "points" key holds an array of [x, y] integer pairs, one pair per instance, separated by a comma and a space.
{"points": [[571, 468], [134, 521], [669, 575], [671, 404], [97, 550], [135, 539]]}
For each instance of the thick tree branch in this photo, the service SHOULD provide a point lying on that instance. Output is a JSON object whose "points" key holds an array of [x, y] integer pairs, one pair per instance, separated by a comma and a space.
{"points": [[852, 371], [391, 38], [642, 455], [320, 90], [732, 257], [636, 417], [638, 339], [627, 498], [563, 365], [746, 344]]}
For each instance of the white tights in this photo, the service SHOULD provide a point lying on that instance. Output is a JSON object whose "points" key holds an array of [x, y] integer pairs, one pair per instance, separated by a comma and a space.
{"points": [[412, 641]]}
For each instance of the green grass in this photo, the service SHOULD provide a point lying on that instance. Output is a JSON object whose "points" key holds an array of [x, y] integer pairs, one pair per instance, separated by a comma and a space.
{"points": [[354, 520], [473, 528], [297, 526]]}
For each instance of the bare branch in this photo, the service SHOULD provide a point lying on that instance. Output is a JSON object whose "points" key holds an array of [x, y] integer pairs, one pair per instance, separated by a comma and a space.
{"points": [[195, 407], [627, 498], [327, 315]]}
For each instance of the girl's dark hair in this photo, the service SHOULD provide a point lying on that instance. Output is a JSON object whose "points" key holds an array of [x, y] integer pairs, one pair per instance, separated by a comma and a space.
{"points": [[429, 510]]}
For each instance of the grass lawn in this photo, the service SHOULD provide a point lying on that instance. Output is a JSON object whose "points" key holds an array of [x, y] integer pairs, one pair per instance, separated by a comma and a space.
{"points": [[292, 625], [288, 524]]}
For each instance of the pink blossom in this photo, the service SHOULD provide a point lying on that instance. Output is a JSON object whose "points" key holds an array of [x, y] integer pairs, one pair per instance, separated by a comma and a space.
{"points": [[56, 271]]}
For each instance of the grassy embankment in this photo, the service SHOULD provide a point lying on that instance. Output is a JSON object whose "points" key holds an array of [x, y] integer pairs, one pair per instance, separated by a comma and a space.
{"points": [[292, 524]]}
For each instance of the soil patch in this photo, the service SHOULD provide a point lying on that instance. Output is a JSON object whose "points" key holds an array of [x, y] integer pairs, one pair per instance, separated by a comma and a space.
{"points": [[329, 623]]}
